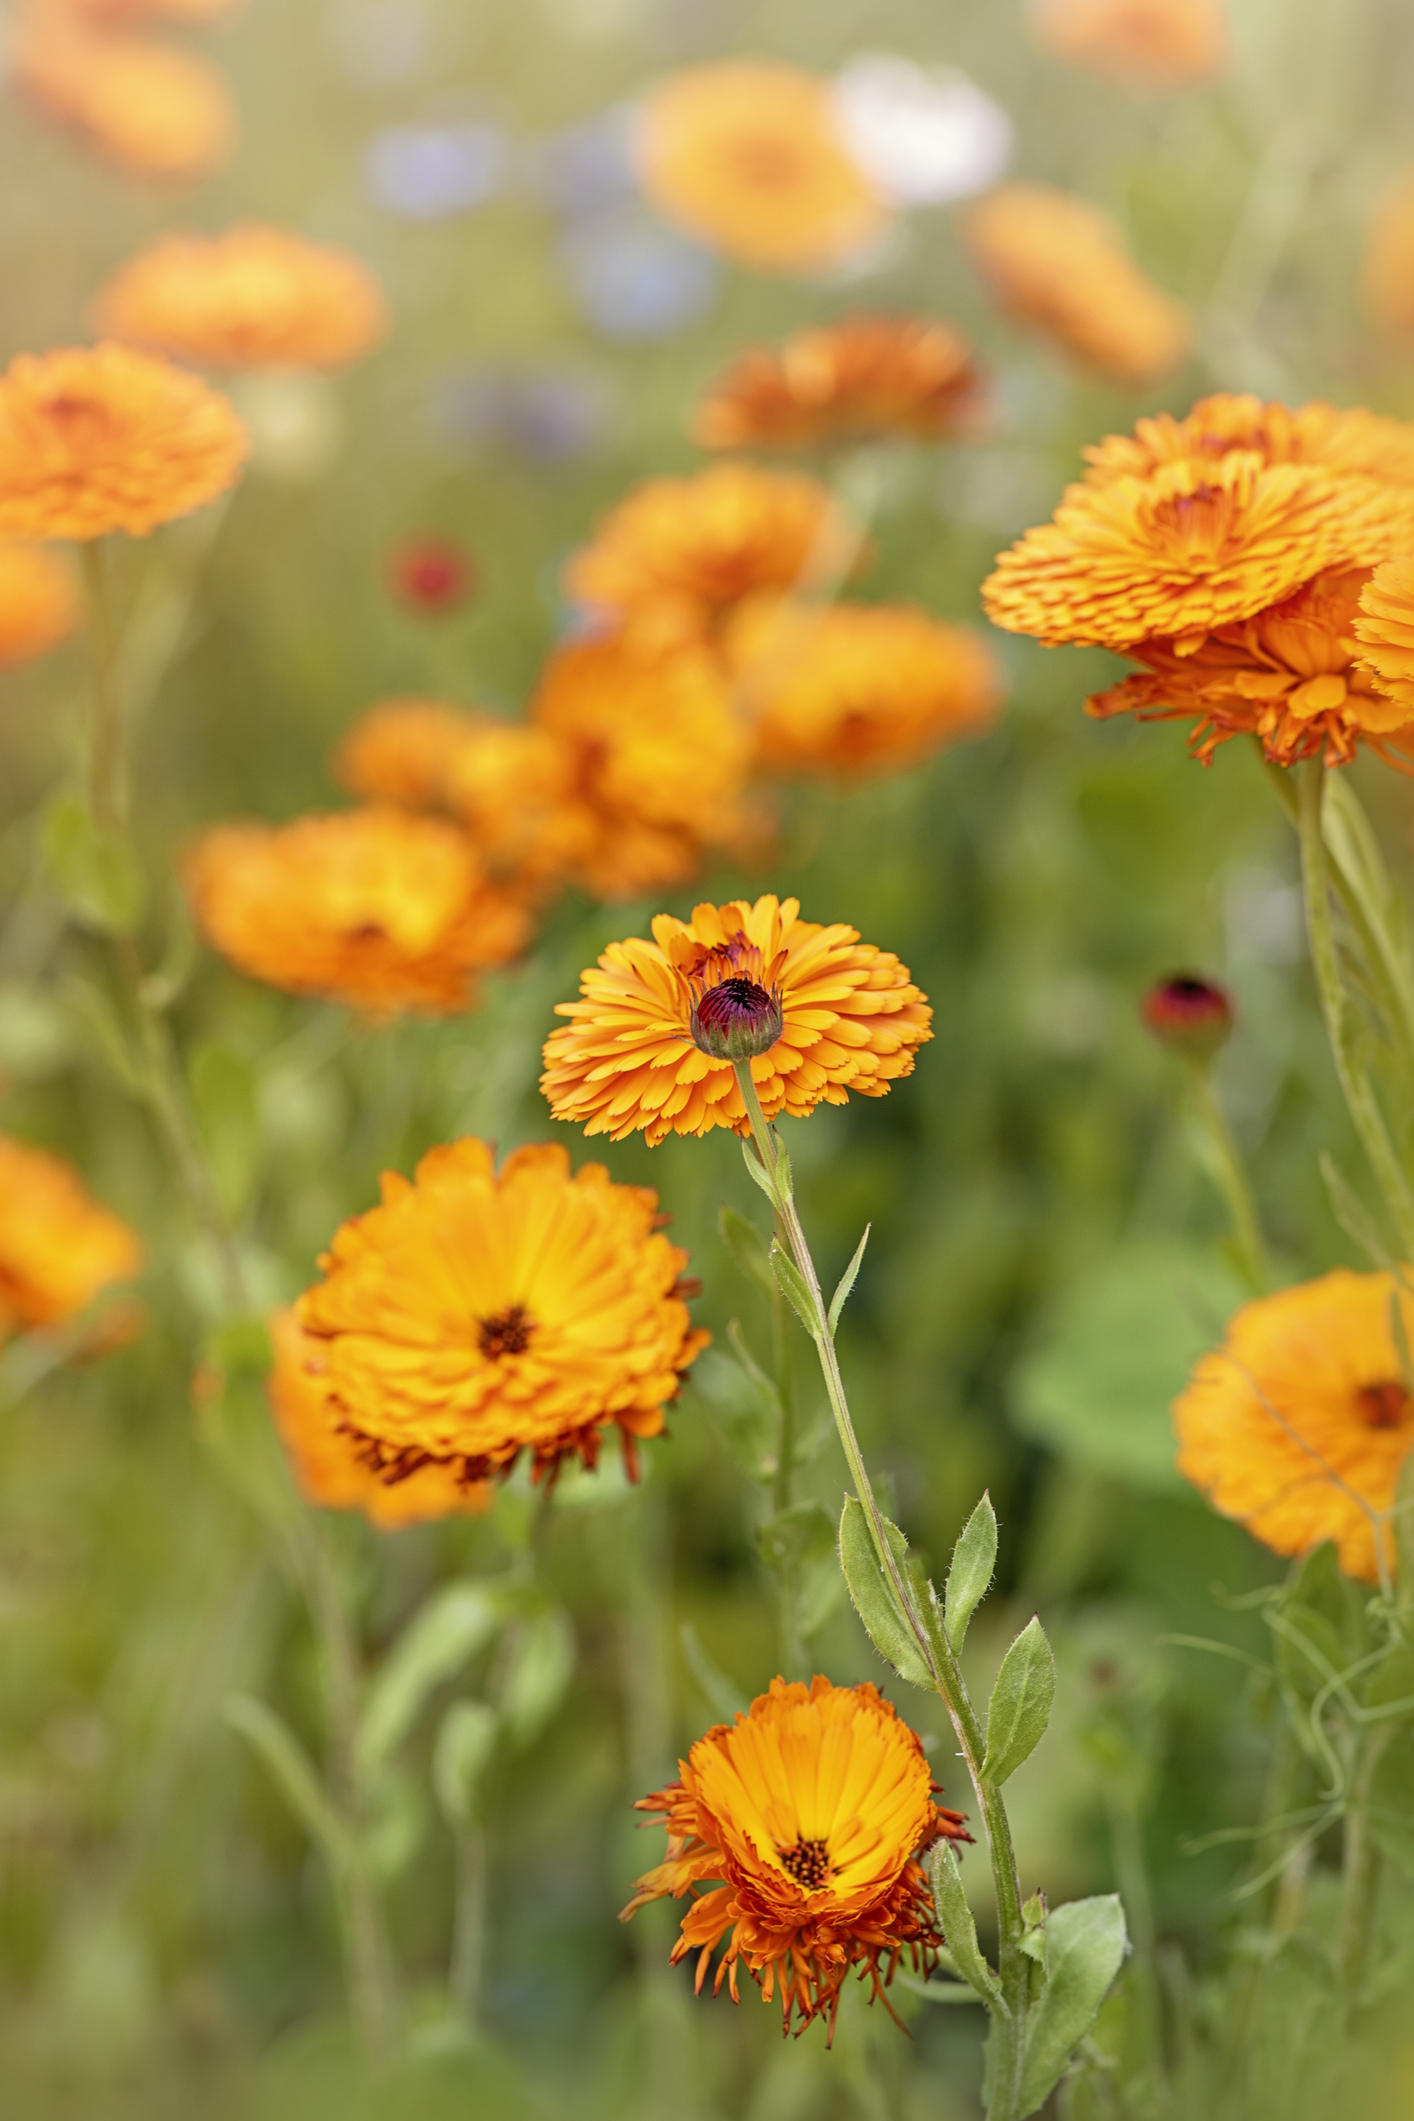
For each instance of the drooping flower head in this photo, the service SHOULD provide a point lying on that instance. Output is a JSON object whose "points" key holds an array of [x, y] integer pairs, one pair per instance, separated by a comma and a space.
{"points": [[1141, 43], [805, 1820], [851, 1023], [1343, 439], [148, 107], [100, 438], [749, 157], [255, 297], [38, 604], [370, 907], [58, 1248], [433, 576], [1299, 1424], [1190, 1014], [859, 379], [476, 1315]]}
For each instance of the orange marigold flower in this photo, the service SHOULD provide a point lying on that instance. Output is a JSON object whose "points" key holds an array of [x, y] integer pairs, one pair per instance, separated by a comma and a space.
{"points": [[852, 1021], [477, 1315], [855, 689], [147, 106], [1058, 264], [1384, 629], [863, 377], [1299, 1424], [749, 157], [326, 1459], [1144, 43], [1193, 547], [100, 438], [1343, 440], [58, 1248], [1388, 274], [370, 907], [255, 297], [38, 606], [806, 1817], [121, 14], [678, 553]]}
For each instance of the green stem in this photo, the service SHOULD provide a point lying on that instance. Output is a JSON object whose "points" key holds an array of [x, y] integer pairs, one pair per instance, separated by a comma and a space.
{"points": [[787, 1575], [1360, 1874], [106, 789], [1231, 1178]]}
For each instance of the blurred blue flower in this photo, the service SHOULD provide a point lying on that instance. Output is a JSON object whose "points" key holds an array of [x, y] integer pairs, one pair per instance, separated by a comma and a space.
{"points": [[634, 279], [589, 167], [548, 416], [426, 172]]}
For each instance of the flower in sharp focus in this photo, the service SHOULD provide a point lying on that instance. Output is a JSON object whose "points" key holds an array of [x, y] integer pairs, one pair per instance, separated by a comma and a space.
{"points": [[852, 1021], [1058, 264], [1298, 1425], [326, 1461], [1383, 627], [476, 1315], [255, 297], [1141, 43], [805, 1820], [370, 907], [58, 1248], [432, 576], [1349, 439], [1388, 273], [38, 604], [100, 438], [857, 689], [749, 157], [1190, 1014], [859, 379], [148, 107]]}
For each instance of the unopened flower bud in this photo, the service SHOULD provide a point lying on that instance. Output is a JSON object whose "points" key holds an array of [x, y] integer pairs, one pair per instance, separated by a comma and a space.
{"points": [[431, 575], [736, 1020], [1189, 1014]]}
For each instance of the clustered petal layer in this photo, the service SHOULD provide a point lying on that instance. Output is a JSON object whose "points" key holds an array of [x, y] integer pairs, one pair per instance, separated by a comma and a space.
{"points": [[1343, 439], [58, 1248], [864, 376]]}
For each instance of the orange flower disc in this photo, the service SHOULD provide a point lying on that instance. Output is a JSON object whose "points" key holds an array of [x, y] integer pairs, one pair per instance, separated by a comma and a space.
{"points": [[852, 1021], [58, 1248], [476, 1315], [861, 378], [805, 1820], [256, 297], [1343, 440], [99, 438], [857, 689], [1298, 1425], [148, 107], [371, 907], [1142, 43], [38, 606], [325, 1459], [748, 157]]}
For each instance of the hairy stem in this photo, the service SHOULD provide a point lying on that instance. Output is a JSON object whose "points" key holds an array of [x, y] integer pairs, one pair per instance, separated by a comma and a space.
{"points": [[788, 1574], [1232, 1182]]}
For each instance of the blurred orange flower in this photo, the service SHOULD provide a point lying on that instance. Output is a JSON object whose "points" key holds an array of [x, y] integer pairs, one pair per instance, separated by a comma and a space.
{"points": [[370, 907], [805, 1820], [861, 378], [119, 14], [325, 1459], [852, 1021], [38, 605], [1317, 433], [1058, 264], [150, 108], [1144, 43], [1299, 1424], [255, 297], [58, 1248], [476, 1315], [748, 156], [100, 438], [1388, 273], [857, 689]]}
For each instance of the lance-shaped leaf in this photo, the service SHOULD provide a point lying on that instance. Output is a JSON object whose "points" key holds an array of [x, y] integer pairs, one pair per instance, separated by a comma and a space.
{"points": [[94, 870], [847, 1281], [538, 1671], [876, 1600], [460, 1758], [1085, 1947], [436, 1643], [747, 1247], [973, 1560], [288, 1762], [1020, 1707], [793, 1287], [956, 1923]]}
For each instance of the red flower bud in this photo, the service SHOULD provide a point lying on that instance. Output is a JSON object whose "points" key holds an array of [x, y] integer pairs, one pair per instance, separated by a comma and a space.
{"points": [[736, 1020], [1190, 1014], [433, 576]]}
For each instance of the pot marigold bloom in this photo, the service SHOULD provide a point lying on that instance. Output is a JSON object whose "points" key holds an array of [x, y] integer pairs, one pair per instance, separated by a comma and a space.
{"points": [[1349, 439], [1384, 631], [1298, 1425], [255, 297], [855, 380], [1143, 43], [852, 1021], [326, 1460], [58, 1248], [1058, 264], [38, 606], [857, 689], [749, 158], [668, 562], [806, 1819], [99, 438], [370, 907], [476, 1315], [148, 107]]}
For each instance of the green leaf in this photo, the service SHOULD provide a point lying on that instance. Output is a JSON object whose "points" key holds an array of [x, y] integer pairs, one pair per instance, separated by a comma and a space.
{"points": [[820, 1591], [875, 1598], [1318, 1626], [723, 1697], [94, 872], [847, 1282], [1085, 1947], [748, 1248], [803, 1533], [1352, 1214], [538, 1671], [453, 1625], [466, 1740], [231, 1420], [269, 1736], [742, 1403], [759, 1174], [956, 1923], [225, 1093], [1020, 1707], [96, 1016], [1390, 1687], [794, 1289], [973, 1560]]}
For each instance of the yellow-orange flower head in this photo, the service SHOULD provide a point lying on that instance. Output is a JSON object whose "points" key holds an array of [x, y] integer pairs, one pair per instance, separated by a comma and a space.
{"points": [[1384, 631], [852, 1021], [859, 379], [145, 105], [1057, 264], [476, 1315], [748, 157], [1349, 439], [1298, 1425], [100, 438], [805, 1820], [1141, 43], [371, 907], [678, 553], [38, 605], [328, 1466], [256, 297], [58, 1248]]}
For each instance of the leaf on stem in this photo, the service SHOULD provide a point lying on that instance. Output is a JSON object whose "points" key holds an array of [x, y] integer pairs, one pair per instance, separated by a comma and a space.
{"points": [[759, 1174], [433, 1647], [268, 1735], [875, 1598], [1020, 1707], [956, 1923], [722, 1696], [1352, 1214], [793, 1288], [94, 872], [804, 1532], [973, 1560], [466, 1740], [847, 1281], [1085, 1947], [748, 1248], [538, 1672]]}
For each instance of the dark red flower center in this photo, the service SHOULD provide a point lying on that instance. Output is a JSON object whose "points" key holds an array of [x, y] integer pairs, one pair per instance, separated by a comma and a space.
{"points": [[809, 1864], [1385, 1405], [505, 1333]]}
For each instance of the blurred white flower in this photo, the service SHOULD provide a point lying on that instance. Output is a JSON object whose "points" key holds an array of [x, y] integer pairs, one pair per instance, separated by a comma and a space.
{"points": [[295, 420], [426, 172], [923, 135]]}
